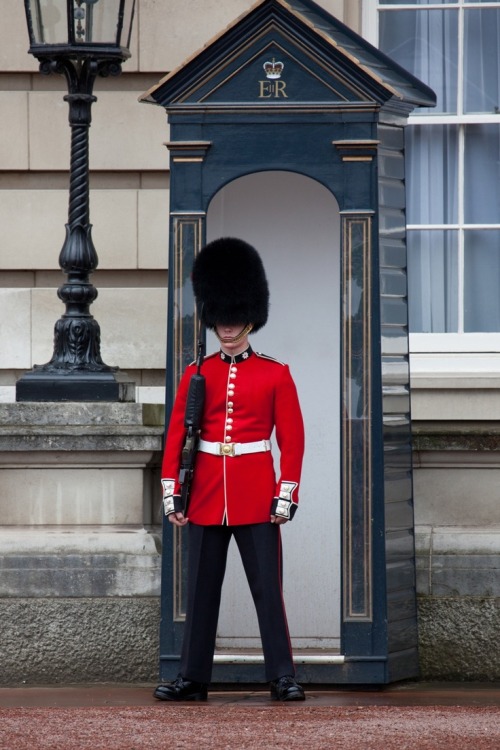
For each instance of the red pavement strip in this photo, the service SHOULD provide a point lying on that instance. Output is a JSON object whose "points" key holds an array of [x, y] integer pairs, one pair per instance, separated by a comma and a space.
{"points": [[413, 716]]}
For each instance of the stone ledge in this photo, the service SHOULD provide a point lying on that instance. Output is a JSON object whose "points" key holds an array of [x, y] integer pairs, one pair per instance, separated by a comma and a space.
{"points": [[452, 540], [71, 562], [67, 427], [455, 436], [135, 456], [127, 438], [66, 540], [32, 414], [458, 562], [465, 404], [74, 426]]}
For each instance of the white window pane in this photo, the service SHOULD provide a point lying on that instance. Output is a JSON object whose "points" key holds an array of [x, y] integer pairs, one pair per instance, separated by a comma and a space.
{"points": [[433, 281], [482, 280], [425, 42], [482, 174], [432, 168], [482, 60]]}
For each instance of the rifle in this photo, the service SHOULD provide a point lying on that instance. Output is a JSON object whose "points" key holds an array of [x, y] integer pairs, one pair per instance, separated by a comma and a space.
{"points": [[192, 422]]}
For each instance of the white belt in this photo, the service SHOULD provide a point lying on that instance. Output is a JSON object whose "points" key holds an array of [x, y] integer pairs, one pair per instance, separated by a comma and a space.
{"points": [[234, 449]]}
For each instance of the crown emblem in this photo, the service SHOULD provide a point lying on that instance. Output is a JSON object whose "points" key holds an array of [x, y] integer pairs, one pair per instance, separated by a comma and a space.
{"points": [[273, 69]]}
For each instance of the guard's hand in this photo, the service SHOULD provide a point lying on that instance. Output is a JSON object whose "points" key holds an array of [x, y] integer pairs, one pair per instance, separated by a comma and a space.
{"points": [[279, 520], [178, 519]]}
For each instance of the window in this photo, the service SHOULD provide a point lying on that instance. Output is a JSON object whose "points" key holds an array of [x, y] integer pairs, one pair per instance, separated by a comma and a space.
{"points": [[453, 166]]}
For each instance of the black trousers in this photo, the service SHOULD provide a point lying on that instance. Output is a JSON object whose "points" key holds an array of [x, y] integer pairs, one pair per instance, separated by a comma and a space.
{"points": [[260, 549]]}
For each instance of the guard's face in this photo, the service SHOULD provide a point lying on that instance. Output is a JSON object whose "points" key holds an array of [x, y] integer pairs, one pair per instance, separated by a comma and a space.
{"points": [[233, 338], [227, 333]]}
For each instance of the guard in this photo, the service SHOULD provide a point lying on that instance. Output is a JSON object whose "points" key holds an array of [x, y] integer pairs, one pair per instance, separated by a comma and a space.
{"points": [[234, 489]]}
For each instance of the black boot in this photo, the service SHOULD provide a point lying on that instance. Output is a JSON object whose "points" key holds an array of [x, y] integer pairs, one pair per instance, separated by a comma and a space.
{"points": [[287, 689], [182, 690]]}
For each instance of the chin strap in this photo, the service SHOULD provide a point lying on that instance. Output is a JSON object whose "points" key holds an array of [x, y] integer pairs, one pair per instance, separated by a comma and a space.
{"points": [[246, 330]]}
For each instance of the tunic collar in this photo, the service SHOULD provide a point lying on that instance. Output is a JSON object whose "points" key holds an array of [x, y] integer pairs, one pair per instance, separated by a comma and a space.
{"points": [[238, 358]]}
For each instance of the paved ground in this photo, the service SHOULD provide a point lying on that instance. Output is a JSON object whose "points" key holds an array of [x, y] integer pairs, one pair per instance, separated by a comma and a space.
{"points": [[417, 716]]}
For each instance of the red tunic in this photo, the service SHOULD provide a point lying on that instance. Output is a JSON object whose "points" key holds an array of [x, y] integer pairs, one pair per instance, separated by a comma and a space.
{"points": [[246, 398]]}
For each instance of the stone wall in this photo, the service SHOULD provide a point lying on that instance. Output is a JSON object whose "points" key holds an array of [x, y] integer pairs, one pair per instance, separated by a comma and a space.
{"points": [[80, 540], [457, 514]]}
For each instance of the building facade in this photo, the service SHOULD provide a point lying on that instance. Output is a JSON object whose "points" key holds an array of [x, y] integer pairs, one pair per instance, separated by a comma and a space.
{"points": [[64, 562]]}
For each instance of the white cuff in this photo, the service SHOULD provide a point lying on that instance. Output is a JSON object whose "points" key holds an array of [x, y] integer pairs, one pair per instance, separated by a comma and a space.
{"points": [[168, 495]]}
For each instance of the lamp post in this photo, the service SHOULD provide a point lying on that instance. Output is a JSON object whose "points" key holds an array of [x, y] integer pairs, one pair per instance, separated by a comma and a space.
{"points": [[80, 39]]}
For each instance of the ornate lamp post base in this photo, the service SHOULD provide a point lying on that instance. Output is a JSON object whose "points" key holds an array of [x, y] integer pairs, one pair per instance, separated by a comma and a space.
{"points": [[43, 385]]}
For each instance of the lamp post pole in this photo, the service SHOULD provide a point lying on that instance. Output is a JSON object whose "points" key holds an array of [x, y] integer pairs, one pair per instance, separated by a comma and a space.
{"points": [[77, 333], [76, 371]]}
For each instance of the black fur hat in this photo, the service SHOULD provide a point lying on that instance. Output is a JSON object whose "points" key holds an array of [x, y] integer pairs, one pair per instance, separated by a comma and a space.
{"points": [[230, 284]]}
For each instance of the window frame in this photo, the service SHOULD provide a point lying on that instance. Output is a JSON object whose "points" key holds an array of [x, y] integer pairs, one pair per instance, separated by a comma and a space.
{"points": [[460, 341]]}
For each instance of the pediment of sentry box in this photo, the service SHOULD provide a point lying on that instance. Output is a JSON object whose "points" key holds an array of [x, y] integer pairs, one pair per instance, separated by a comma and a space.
{"points": [[274, 67], [288, 52]]}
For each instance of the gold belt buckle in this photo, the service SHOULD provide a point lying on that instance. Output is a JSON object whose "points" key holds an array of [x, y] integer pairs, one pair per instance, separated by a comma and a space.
{"points": [[226, 449]]}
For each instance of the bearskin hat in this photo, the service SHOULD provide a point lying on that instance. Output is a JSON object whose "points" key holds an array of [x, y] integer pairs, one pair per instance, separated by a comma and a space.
{"points": [[230, 284]]}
